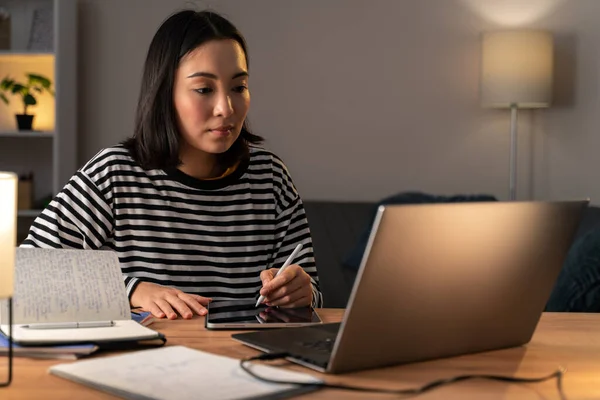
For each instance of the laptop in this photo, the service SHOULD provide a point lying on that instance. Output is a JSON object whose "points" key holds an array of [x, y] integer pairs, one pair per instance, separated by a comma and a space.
{"points": [[439, 280]]}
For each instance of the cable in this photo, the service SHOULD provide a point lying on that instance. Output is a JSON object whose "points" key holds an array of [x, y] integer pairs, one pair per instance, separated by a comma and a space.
{"points": [[413, 391]]}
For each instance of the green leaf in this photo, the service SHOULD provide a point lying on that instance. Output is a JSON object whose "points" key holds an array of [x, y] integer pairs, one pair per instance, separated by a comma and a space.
{"points": [[29, 100], [3, 97], [6, 83], [37, 89], [42, 80], [18, 88]]}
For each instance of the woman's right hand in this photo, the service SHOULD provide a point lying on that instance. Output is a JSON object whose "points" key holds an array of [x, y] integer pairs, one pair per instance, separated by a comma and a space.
{"points": [[164, 301]]}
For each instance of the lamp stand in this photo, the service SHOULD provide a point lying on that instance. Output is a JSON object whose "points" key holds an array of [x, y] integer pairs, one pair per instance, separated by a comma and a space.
{"points": [[513, 153], [10, 346]]}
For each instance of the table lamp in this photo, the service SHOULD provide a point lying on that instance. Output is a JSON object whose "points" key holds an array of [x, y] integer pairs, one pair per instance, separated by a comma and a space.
{"points": [[516, 72], [8, 244]]}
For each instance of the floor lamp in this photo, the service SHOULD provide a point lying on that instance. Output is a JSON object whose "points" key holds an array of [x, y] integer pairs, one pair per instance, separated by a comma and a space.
{"points": [[8, 244], [516, 72]]}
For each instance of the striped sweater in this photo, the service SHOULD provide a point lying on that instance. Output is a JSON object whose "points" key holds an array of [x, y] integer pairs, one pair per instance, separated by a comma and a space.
{"points": [[211, 238]]}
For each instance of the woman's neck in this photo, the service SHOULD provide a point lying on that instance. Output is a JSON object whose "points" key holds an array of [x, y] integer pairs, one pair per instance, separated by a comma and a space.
{"points": [[199, 164]]}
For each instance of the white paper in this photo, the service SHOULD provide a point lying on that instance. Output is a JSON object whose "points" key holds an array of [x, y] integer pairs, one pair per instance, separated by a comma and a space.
{"points": [[122, 330], [177, 373], [61, 285]]}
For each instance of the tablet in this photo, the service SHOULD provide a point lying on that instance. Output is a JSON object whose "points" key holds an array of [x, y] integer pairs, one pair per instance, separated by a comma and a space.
{"points": [[236, 314]]}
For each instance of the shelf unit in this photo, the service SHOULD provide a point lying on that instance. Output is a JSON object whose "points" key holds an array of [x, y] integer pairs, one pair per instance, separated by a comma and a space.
{"points": [[29, 213], [27, 134], [49, 150], [25, 53]]}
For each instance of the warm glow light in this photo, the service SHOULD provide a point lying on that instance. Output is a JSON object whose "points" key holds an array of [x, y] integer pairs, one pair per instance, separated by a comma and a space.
{"points": [[16, 65], [516, 69], [512, 13], [8, 234]]}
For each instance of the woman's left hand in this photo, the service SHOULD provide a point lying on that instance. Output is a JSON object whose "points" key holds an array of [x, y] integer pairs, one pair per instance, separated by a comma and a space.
{"points": [[292, 288]]}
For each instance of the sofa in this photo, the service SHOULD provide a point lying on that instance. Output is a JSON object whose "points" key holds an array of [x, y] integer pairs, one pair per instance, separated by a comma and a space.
{"points": [[338, 228]]}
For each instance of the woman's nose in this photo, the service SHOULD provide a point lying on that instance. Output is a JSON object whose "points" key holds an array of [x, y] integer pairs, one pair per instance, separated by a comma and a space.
{"points": [[223, 107]]}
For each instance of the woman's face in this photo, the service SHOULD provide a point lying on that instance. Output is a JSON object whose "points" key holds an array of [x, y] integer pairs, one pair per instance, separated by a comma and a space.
{"points": [[211, 96]]}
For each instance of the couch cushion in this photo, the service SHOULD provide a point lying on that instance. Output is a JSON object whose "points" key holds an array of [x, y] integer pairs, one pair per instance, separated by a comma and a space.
{"points": [[577, 288]]}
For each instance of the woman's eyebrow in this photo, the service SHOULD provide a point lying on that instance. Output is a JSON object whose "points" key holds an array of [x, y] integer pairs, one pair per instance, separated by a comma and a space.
{"points": [[213, 76]]}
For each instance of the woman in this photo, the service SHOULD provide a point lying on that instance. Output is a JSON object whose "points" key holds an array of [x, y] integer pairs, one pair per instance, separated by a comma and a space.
{"points": [[193, 207]]}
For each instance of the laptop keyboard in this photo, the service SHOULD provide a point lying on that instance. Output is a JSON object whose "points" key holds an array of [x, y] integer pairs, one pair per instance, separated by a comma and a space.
{"points": [[325, 345], [315, 347]]}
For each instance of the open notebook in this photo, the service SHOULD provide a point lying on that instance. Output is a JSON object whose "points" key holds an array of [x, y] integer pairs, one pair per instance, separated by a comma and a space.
{"points": [[60, 286], [181, 373]]}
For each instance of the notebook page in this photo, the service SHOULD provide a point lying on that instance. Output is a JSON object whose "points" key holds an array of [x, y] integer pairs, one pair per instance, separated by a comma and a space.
{"points": [[60, 285], [122, 330], [177, 373]]}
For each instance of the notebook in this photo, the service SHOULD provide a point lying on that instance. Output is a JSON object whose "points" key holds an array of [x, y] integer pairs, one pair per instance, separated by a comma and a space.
{"points": [[70, 288], [63, 352], [181, 373]]}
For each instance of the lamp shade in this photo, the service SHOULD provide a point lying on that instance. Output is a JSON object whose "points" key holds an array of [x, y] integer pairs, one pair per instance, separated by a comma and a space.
{"points": [[516, 69], [8, 234]]}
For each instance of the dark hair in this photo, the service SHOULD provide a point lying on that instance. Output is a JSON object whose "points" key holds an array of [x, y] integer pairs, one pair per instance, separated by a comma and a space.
{"points": [[156, 139]]}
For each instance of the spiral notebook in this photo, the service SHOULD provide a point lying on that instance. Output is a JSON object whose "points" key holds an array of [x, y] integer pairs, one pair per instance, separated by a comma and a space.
{"points": [[181, 373]]}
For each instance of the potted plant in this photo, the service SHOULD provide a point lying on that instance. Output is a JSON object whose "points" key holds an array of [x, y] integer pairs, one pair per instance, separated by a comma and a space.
{"points": [[35, 84]]}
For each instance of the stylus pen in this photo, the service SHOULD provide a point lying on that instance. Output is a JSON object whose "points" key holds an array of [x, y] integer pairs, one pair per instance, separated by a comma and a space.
{"points": [[283, 267]]}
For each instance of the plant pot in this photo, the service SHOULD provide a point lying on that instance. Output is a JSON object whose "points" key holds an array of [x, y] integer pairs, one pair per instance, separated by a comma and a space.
{"points": [[24, 121]]}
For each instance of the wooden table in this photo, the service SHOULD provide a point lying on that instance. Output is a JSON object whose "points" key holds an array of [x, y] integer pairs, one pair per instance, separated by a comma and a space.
{"points": [[570, 340]]}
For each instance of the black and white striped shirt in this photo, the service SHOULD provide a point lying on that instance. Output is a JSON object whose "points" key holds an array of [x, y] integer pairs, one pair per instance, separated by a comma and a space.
{"points": [[206, 237]]}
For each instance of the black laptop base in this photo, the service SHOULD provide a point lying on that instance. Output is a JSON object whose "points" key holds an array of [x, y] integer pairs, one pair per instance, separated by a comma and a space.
{"points": [[310, 345]]}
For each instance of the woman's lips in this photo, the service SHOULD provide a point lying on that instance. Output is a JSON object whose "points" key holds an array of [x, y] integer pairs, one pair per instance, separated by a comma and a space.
{"points": [[222, 130]]}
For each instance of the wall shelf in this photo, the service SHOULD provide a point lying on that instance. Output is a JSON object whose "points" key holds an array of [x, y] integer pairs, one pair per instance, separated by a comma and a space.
{"points": [[24, 53], [28, 213], [27, 134], [21, 57]]}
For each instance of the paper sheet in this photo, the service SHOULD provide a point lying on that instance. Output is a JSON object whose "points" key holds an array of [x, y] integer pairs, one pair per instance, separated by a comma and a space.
{"points": [[122, 330], [67, 285], [177, 373]]}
